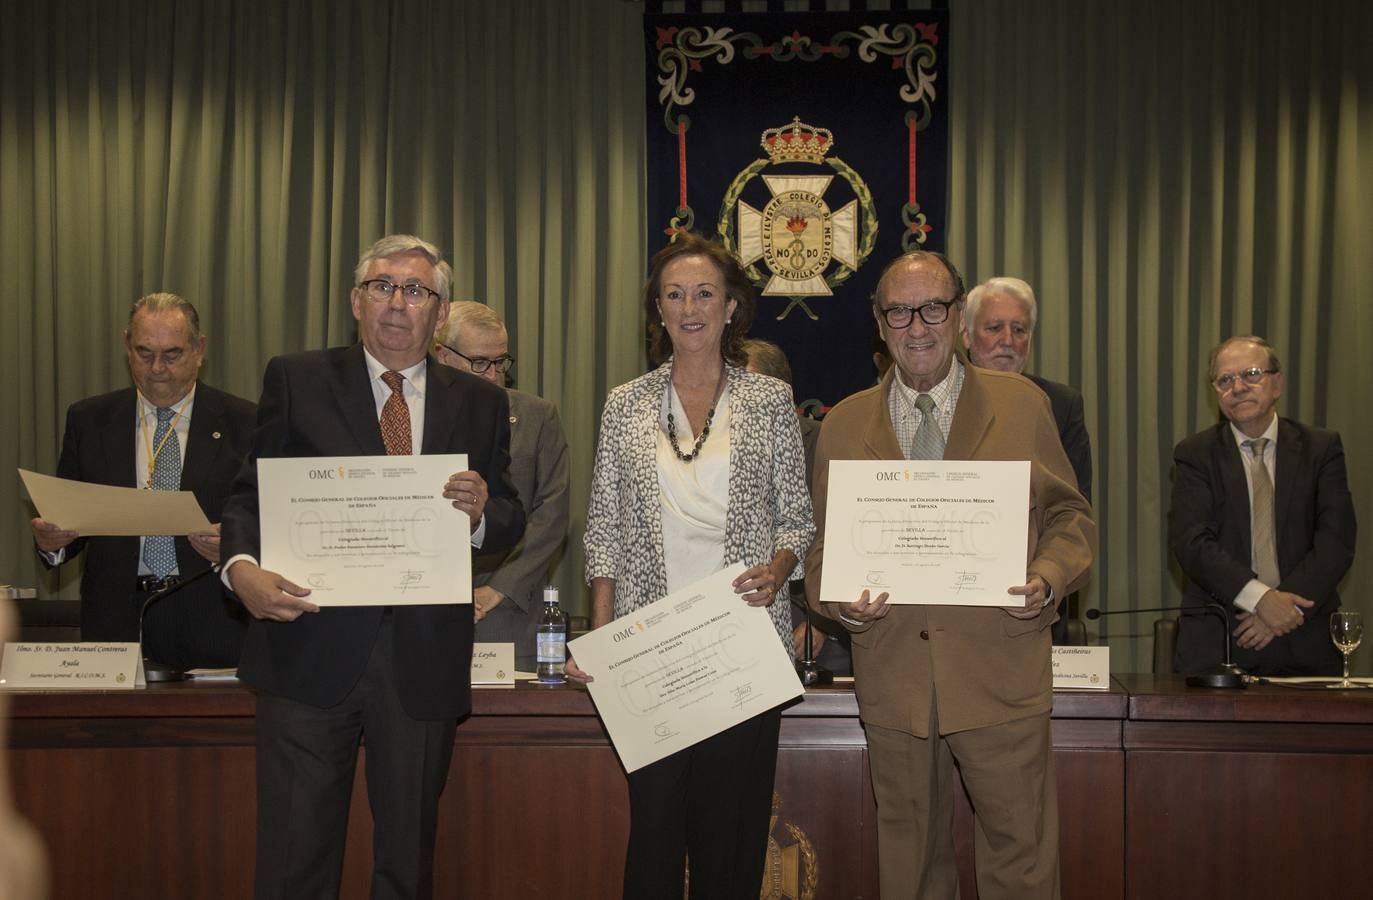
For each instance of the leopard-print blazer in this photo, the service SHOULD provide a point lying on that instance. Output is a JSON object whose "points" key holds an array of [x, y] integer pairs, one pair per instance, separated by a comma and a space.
{"points": [[768, 510]]}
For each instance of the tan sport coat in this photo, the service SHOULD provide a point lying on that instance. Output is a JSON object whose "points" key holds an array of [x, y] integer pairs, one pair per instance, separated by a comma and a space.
{"points": [[981, 665]]}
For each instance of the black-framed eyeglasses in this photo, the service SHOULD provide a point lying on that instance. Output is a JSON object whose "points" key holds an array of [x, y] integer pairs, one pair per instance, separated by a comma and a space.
{"points": [[379, 290], [1250, 376], [931, 312], [480, 364]]}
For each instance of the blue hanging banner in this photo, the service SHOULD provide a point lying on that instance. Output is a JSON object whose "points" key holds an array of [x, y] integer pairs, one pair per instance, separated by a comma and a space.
{"points": [[816, 145]]}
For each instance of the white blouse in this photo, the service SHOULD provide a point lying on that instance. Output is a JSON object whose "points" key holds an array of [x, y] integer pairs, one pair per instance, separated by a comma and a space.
{"points": [[695, 495]]}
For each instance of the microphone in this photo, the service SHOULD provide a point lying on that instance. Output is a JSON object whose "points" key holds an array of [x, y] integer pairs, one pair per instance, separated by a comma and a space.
{"points": [[1226, 675], [807, 669], [156, 671]]}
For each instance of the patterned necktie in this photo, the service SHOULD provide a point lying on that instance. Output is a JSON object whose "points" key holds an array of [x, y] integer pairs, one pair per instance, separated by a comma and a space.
{"points": [[929, 441], [159, 552], [395, 417], [1261, 525]]}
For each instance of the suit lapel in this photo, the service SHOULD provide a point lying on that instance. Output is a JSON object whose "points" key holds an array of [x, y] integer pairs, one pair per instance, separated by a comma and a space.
{"points": [[879, 437], [1236, 487], [971, 417], [353, 393], [202, 443], [442, 406], [119, 449], [1287, 470]]}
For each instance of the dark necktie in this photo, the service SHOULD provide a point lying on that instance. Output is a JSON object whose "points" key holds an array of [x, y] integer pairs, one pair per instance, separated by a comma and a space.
{"points": [[395, 417], [159, 551]]}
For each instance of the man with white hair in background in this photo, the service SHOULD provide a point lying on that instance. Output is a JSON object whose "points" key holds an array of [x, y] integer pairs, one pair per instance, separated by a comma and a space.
{"points": [[997, 329], [507, 586]]}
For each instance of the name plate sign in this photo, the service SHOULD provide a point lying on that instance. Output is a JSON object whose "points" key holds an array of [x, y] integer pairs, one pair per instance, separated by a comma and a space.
{"points": [[1082, 668], [493, 663], [84, 666]]}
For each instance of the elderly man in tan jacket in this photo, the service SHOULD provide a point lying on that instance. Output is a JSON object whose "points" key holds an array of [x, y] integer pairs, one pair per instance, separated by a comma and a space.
{"points": [[939, 685]]}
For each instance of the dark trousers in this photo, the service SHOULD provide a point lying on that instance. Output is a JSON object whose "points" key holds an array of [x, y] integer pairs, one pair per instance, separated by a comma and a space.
{"points": [[195, 628], [711, 805], [306, 758]]}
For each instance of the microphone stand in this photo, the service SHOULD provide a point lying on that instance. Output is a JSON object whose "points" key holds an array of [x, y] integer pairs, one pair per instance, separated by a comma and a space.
{"points": [[808, 670], [1227, 675], [156, 671]]}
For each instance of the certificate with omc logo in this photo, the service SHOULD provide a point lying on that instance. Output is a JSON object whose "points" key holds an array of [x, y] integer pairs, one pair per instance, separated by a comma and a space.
{"points": [[951, 532], [366, 530], [677, 671]]}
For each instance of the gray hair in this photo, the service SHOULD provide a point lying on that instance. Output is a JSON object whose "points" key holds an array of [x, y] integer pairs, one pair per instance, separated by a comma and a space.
{"points": [[1273, 362], [165, 302], [395, 245], [768, 358], [467, 314], [1007, 286]]}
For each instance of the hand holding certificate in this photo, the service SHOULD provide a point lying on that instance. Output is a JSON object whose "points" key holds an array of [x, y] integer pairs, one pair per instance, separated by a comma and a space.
{"points": [[366, 530], [684, 668], [926, 532]]}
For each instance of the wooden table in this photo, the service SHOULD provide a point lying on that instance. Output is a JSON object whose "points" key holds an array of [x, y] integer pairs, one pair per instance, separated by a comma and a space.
{"points": [[1164, 791], [1245, 794]]}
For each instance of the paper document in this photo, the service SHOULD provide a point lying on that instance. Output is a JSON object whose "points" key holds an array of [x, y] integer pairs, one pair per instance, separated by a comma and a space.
{"points": [[950, 532], [684, 668], [102, 510], [366, 530]]}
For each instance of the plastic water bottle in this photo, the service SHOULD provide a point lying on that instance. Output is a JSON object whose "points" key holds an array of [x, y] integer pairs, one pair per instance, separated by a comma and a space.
{"points": [[551, 639]]}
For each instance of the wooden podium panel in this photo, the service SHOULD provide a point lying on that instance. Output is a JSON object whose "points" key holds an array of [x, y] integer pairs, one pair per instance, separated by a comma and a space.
{"points": [[152, 792], [1265, 792]]}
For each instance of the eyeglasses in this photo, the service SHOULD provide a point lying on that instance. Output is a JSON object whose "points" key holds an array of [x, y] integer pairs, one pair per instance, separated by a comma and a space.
{"points": [[1250, 376], [933, 312], [379, 290], [480, 364]]}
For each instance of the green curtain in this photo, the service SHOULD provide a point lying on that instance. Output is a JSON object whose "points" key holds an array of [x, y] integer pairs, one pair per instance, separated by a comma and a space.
{"points": [[1168, 174], [242, 154], [1165, 174]]}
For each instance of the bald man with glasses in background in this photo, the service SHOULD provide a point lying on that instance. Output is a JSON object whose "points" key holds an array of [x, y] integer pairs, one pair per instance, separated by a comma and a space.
{"points": [[508, 586], [1262, 522]]}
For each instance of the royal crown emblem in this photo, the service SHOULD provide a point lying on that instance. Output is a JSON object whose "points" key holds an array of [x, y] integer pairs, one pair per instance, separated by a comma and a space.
{"points": [[796, 235]]}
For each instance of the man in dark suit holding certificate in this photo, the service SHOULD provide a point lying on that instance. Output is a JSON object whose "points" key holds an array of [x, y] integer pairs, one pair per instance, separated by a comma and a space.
{"points": [[167, 432], [400, 676]]}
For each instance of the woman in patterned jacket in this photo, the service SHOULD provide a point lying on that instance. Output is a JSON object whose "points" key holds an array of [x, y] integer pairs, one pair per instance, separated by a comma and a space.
{"points": [[699, 466]]}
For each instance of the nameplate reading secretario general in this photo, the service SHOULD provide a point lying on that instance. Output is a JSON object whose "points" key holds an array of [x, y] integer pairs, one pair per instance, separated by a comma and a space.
{"points": [[1082, 668], [366, 530], [493, 663], [87, 666], [926, 532], [677, 671]]}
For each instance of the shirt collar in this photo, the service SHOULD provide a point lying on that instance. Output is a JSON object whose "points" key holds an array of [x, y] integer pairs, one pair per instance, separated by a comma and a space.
{"points": [[1271, 432], [939, 393], [414, 376], [183, 406]]}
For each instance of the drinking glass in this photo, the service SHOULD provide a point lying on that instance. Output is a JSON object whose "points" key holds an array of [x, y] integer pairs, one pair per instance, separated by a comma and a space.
{"points": [[1346, 629]]}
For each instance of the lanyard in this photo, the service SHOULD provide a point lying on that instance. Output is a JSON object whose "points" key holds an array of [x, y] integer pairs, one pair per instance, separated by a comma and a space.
{"points": [[154, 452]]}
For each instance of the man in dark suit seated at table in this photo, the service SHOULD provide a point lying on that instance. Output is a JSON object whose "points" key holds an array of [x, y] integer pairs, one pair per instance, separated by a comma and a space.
{"points": [[168, 432], [399, 675], [508, 596], [1001, 318], [1261, 519]]}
